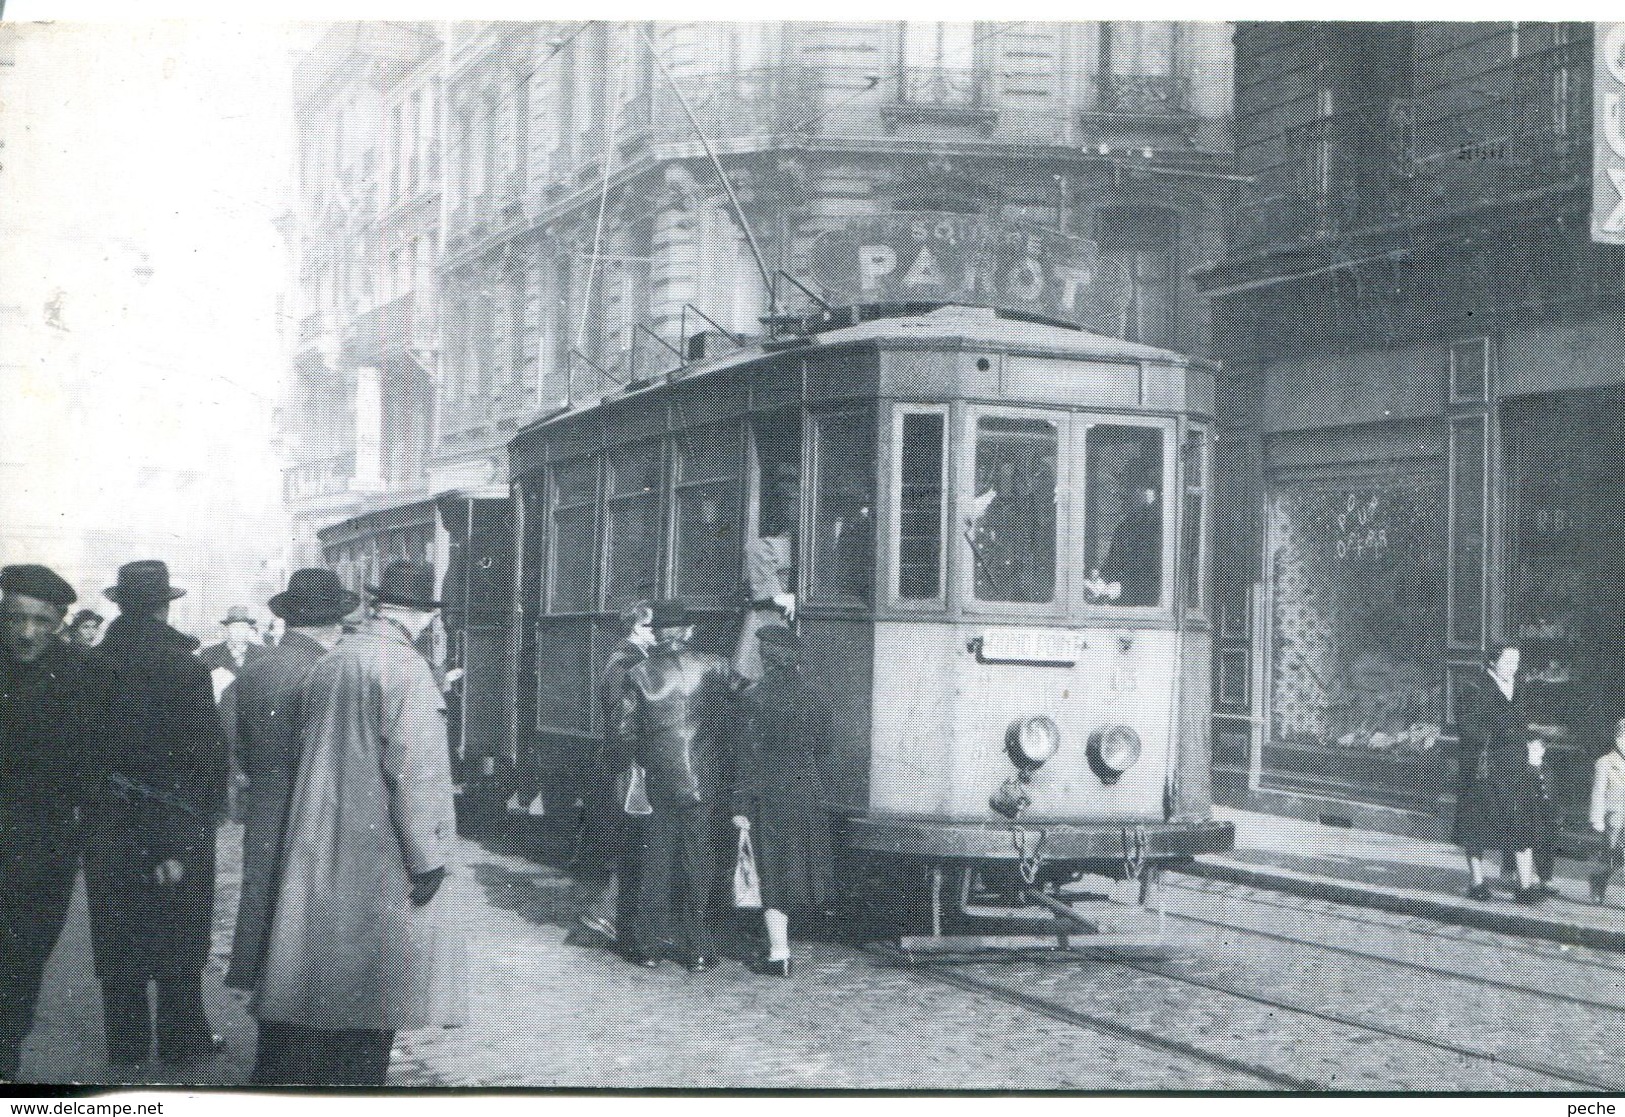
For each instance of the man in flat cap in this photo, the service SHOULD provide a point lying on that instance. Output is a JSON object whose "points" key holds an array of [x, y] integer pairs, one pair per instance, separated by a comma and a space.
{"points": [[54, 705], [362, 942], [266, 737], [150, 856], [672, 705]]}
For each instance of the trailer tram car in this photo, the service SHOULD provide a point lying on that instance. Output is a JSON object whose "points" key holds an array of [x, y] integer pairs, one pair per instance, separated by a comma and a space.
{"points": [[1002, 583]]}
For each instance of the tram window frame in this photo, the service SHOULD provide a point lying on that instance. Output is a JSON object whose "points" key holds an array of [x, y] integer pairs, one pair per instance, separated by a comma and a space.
{"points": [[1193, 529], [899, 459], [1167, 585], [964, 500], [865, 420], [617, 501], [593, 548], [726, 592]]}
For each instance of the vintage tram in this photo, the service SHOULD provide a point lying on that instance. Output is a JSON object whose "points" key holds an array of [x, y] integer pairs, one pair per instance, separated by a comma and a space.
{"points": [[999, 534]]}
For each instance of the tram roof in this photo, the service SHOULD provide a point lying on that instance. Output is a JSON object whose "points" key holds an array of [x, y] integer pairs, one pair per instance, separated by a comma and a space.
{"points": [[962, 327]]}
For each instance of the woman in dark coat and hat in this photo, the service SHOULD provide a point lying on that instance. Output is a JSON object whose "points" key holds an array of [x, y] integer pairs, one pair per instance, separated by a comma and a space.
{"points": [[1498, 802], [150, 858], [781, 728]]}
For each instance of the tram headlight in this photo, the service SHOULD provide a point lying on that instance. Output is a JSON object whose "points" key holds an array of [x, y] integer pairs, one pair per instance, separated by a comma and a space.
{"points": [[1113, 751], [1031, 741]]}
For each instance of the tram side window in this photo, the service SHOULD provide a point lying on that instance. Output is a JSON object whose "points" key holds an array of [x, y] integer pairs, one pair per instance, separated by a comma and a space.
{"points": [[1012, 527], [710, 463], [919, 521], [633, 564], [575, 503], [1190, 541], [1123, 513], [843, 557]]}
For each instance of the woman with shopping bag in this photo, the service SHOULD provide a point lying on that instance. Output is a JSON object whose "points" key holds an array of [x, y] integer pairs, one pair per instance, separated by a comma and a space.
{"points": [[779, 811]]}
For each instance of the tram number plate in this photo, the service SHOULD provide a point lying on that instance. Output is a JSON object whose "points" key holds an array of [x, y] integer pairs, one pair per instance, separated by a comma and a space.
{"points": [[1026, 645]]}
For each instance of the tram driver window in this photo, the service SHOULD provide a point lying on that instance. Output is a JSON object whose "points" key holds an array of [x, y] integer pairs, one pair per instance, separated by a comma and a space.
{"points": [[1011, 529], [1123, 514]]}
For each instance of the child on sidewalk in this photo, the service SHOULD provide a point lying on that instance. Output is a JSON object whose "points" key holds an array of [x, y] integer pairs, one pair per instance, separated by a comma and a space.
{"points": [[1608, 812]]}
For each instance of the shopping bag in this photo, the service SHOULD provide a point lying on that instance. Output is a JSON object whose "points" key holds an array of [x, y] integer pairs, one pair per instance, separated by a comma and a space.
{"points": [[747, 885], [633, 789]]}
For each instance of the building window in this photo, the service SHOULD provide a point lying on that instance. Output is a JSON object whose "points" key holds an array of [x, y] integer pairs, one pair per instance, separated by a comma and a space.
{"points": [[1139, 71], [939, 64], [1145, 241]]}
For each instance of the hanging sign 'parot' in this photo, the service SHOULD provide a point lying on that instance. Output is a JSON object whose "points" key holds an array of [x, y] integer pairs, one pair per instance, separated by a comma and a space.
{"points": [[1608, 140]]}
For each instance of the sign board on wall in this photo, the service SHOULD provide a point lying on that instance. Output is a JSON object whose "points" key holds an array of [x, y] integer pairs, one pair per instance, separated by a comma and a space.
{"points": [[960, 258], [1608, 140]]}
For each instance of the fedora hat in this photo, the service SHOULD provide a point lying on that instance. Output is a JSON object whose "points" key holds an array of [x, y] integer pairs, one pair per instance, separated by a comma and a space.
{"points": [[314, 596], [406, 583], [145, 582], [239, 614]]}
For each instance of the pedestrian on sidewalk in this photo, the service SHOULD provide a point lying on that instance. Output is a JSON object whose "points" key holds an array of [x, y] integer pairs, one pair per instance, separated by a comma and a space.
{"points": [[1608, 812], [85, 629], [362, 941], [671, 709], [609, 836], [150, 852], [55, 705], [1498, 800], [781, 731], [267, 747]]}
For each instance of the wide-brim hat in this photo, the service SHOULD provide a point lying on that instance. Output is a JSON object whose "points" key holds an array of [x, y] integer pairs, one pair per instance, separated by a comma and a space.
{"points": [[408, 584], [239, 614], [669, 614], [314, 597], [144, 582]]}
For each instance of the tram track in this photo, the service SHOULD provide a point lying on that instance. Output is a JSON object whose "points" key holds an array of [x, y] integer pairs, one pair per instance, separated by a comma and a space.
{"points": [[949, 974], [1555, 953]]}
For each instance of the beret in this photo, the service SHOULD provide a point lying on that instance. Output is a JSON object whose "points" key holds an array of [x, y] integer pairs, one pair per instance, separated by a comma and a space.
{"points": [[33, 580]]}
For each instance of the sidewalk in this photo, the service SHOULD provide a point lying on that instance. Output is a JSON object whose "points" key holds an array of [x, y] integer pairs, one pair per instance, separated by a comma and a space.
{"points": [[1411, 876]]}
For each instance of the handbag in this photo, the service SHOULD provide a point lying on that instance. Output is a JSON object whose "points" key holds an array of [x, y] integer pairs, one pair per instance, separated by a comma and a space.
{"points": [[632, 788], [747, 884]]}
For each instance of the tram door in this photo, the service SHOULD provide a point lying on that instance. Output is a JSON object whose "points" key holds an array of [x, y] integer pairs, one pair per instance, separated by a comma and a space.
{"points": [[478, 593]]}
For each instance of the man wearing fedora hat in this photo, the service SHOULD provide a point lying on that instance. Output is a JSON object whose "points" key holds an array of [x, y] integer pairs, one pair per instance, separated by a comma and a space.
{"points": [[669, 719], [362, 943], [240, 647], [150, 854], [266, 735], [55, 702]]}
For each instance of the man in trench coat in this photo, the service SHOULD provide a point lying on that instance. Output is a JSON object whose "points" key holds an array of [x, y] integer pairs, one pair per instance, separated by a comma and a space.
{"points": [[54, 704], [267, 742], [150, 850], [360, 944]]}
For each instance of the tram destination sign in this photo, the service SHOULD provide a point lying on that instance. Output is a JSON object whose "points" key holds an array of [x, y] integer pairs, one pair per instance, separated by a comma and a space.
{"points": [[959, 258]]}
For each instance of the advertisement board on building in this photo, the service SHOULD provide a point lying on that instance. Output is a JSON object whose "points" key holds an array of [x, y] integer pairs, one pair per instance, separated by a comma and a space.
{"points": [[960, 258], [1608, 141]]}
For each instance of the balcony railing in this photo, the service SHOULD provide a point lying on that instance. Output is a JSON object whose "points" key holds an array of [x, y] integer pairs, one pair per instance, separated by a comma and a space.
{"points": [[1143, 94], [322, 478], [939, 85]]}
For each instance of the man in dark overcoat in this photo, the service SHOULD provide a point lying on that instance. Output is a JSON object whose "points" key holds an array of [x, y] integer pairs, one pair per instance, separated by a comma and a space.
{"points": [[150, 855], [267, 746], [671, 711], [54, 702]]}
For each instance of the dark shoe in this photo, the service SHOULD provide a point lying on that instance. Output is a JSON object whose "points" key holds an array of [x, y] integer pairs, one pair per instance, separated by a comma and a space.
{"points": [[771, 967], [1599, 890], [206, 1048], [1480, 892], [700, 963], [638, 958], [1527, 896]]}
